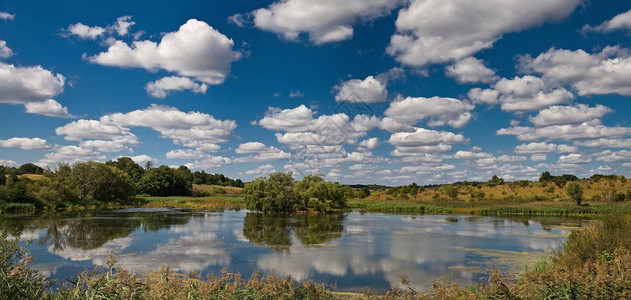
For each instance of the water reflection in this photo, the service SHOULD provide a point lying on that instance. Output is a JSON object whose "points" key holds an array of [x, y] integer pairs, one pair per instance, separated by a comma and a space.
{"points": [[351, 250], [276, 230]]}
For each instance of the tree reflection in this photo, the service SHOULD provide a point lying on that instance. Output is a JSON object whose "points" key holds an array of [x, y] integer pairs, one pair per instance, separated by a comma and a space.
{"points": [[90, 230], [276, 230]]}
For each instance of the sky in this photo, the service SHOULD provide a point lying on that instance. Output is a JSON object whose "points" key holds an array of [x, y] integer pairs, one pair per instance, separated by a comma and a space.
{"points": [[361, 91]]}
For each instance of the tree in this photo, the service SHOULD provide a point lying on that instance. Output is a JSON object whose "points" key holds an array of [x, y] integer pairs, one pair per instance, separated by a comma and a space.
{"points": [[30, 168], [575, 191], [546, 177], [98, 181], [496, 181], [128, 166], [451, 191], [272, 194], [164, 181]]}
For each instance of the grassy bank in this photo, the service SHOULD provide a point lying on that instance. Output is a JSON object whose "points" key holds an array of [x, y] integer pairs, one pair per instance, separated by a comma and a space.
{"points": [[593, 263]]}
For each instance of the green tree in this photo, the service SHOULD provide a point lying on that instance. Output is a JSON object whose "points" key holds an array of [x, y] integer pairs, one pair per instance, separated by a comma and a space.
{"points": [[98, 181], [575, 191], [30, 168], [451, 191], [128, 166], [496, 181], [545, 177], [164, 181], [272, 194]]}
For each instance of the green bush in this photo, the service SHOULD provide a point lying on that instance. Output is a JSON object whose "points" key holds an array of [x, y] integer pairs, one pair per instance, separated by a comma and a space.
{"points": [[164, 181]]}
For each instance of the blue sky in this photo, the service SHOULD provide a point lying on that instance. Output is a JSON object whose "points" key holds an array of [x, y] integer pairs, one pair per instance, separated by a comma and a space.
{"points": [[362, 91]]}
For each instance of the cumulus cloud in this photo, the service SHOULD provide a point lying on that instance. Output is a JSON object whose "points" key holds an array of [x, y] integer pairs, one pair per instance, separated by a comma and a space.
{"points": [[94, 130], [574, 158], [621, 21], [70, 154], [614, 156], [21, 85], [324, 21], [561, 115], [122, 25], [584, 131], [369, 90], [117, 145], [49, 108], [435, 31], [181, 127], [5, 51], [295, 119], [605, 143], [6, 16], [185, 154], [470, 70], [162, 87], [439, 111], [605, 72], [85, 32], [527, 93], [8, 163], [259, 152], [425, 137], [543, 147], [143, 159], [25, 143], [196, 50], [369, 144], [261, 170]]}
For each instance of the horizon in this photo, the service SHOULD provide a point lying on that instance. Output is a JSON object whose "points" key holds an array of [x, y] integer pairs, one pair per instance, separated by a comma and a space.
{"points": [[385, 92]]}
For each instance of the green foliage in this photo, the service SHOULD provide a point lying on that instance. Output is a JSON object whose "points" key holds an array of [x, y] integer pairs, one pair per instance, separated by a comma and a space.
{"points": [[164, 181], [575, 191], [280, 193], [496, 181], [451, 191], [200, 177], [98, 181], [127, 165], [404, 190], [29, 168], [17, 279]]}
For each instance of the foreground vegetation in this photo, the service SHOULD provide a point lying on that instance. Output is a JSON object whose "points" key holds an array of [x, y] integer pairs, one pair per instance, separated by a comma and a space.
{"points": [[593, 263]]}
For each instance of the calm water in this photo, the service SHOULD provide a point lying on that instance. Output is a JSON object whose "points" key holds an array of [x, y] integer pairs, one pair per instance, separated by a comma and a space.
{"points": [[352, 250]]}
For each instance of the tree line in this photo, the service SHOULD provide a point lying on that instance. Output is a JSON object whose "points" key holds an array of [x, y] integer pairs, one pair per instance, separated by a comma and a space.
{"points": [[93, 182]]}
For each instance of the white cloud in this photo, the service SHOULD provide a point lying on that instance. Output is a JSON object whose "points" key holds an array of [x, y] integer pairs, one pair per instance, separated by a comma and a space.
{"points": [[6, 16], [181, 127], [5, 51], [21, 85], [470, 70], [435, 31], [588, 130], [85, 32], [94, 130], [369, 90], [25, 143], [621, 21], [251, 147], [185, 154], [425, 137], [369, 144], [117, 145], [561, 115], [543, 147], [294, 119], [527, 93], [143, 159], [574, 158], [49, 107], [208, 162], [162, 87], [438, 110], [70, 154], [296, 94], [196, 50], [611, 156], [122, 25], [7, 162], [605, 143], [539, 157], [606, 72], [261, 170], [324, 21], [203, 146]]}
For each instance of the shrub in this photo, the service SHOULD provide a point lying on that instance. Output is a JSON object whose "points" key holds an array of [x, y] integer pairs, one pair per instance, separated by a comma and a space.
{"points": [[164, 181], [575, 191]]}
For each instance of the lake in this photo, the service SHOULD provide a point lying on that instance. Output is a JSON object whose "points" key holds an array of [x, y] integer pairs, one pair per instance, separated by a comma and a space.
{"points": [[352, 250]]}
